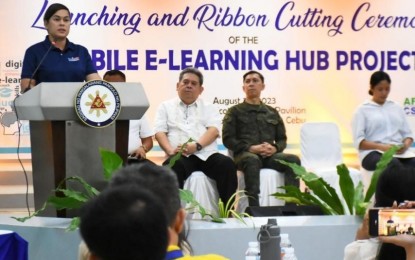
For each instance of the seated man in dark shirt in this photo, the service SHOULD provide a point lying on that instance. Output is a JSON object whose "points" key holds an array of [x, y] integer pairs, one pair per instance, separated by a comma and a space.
{"points": [[255, 133]]}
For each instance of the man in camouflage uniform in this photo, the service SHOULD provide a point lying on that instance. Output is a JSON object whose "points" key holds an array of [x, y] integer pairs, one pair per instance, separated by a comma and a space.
{"points": [[255, 133]]}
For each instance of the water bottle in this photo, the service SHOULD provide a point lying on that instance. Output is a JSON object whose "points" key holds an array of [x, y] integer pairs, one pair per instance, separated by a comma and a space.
{"points": [[285, 242], [289, 254], [287, 251], [252, 253], [269, 239]]}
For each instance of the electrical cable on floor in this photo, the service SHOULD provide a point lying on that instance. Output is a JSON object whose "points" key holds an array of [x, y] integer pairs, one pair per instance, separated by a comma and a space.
{"points": [[18, 154]]}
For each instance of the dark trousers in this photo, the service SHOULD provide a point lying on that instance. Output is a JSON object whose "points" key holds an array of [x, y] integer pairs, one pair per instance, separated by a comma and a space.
{"points": [[370, 161], [218, 167], [251, 165]]}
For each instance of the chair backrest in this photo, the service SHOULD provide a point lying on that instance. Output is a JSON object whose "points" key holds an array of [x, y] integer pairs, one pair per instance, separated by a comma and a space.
{"points": [[320, 145]]}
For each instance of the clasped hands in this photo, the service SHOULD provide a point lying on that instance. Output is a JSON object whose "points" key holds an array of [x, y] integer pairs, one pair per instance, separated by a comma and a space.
{"points": [[264, 150]]}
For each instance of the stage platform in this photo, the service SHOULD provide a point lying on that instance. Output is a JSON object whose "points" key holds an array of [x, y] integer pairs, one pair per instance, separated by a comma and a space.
{"points": [[313, 237]]}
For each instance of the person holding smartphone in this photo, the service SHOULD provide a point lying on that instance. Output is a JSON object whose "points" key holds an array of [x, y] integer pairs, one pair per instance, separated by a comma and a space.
{"points": [[394, 190], [403, 240]]}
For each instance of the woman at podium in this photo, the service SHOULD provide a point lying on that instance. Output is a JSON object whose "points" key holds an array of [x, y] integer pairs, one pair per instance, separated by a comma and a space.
{"points": [[57, 150], [56, 59]]}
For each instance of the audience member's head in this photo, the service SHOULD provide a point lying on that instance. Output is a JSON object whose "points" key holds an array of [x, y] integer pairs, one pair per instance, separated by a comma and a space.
{"points": [[114, 76], [396, 183], [158, 179], [125, 223], [163, 183]]}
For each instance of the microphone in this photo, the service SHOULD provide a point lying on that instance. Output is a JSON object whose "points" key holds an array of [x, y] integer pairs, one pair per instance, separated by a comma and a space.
{"points": [[53, 43]]}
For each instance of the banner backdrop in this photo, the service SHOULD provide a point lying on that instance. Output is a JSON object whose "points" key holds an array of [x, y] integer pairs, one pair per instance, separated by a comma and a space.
{"points": [[316, 56]]}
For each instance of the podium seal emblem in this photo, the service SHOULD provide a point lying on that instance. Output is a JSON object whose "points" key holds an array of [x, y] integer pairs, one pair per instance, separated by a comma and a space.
{"points": [[97, 103]]}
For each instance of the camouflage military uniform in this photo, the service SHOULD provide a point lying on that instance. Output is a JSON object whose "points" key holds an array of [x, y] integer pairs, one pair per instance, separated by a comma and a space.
{"points": [[245, 125]]}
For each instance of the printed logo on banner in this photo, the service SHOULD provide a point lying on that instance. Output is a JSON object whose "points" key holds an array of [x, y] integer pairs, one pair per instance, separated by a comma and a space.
{"points": [[409, 106], [97, 104], [5, 92]]}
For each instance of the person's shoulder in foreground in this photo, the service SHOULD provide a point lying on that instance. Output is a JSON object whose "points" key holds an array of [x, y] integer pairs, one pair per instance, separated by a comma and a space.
{"points": [[173, 248]]}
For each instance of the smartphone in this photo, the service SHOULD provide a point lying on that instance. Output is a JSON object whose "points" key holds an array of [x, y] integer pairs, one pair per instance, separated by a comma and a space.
{"points": [[391, 222], [133, 159]]}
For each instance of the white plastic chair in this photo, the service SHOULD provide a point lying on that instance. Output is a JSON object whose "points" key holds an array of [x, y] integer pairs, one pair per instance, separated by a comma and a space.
{"points": [[269, 181], [204, 191], [321, 152]]}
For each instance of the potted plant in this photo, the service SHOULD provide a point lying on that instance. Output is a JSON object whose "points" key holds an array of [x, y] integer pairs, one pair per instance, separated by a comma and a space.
{"points": [[75, 199], [326, 197]]}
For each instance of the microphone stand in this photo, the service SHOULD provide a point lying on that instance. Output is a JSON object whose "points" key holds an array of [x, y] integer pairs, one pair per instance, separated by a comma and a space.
{"points": [[53, 43]]}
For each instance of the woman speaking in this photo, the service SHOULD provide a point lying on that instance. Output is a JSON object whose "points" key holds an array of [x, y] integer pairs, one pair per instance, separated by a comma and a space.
{"points": [[56, 59]]}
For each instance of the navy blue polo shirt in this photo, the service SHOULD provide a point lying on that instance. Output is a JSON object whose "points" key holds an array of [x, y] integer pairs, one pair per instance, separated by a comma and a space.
{"points": [[72, 64]]}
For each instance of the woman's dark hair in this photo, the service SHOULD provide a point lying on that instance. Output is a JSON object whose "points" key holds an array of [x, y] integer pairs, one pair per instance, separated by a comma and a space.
{"points": [[377, 77], [396, 183], [52, 9]]}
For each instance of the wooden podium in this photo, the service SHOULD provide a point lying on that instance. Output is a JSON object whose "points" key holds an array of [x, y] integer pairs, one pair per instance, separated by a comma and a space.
{"points": [[62, 145]]}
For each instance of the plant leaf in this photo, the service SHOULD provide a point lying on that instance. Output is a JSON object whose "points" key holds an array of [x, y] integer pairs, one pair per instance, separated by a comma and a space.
{"points": [[76, 195], [230, 204], [385, 159], [64, 202], [218, 220], [359, 205], [111, 162], [195, 207], [221, 209], [90, 191], [237, 216], [319, 187], [346, 186], [23, 219], [186, 196], [301, 198], [76, 221], [177, 156], [173, 159]]}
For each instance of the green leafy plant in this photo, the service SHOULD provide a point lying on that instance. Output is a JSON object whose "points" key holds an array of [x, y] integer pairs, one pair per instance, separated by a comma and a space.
{"points": [[224, 210], [177, 156], [75, 199], [228, 210], [326, 197]]}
